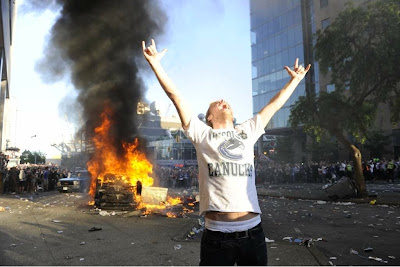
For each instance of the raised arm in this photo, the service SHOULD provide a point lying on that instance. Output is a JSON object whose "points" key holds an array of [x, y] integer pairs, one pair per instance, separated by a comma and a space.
{"points": [[154, 58], [296, 75]]}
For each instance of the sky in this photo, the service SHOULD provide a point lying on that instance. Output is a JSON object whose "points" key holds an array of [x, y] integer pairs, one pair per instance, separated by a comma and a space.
{"points": [[208, 58]]}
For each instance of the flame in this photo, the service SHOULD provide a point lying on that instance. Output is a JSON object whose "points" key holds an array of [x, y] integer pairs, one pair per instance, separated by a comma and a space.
{"points": [[131, 168], [151, 208], [91, 203], [174, 201], [171, 215], [106, 165]]}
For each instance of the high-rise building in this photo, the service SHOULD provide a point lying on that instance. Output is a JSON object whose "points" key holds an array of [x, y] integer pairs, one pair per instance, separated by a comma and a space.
{"points": [[281, 31], [7, 16]]}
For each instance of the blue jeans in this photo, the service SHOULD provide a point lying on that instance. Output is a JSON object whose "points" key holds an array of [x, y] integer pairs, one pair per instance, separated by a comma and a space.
{"points": [[242, 248]]}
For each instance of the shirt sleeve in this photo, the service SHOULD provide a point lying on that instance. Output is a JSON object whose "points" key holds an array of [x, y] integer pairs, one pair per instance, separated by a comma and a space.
{"points": [[197, 130], [253, 127]]}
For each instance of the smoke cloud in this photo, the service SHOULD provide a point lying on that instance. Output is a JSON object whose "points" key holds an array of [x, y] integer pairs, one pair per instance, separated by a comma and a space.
{"points": [[95, 44]]}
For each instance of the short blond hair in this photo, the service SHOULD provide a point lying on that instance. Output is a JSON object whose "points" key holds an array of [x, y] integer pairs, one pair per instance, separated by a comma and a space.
{"points": [[208, 113]]}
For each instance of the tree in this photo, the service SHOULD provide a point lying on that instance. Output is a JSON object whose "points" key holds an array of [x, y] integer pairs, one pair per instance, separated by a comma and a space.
{"points": [[360, 52], [376, 143], [32, 157], [325, 149], [284, 149]]}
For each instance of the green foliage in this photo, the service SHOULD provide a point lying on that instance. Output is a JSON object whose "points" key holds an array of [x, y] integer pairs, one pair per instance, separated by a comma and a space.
{"points": [[376, 142], [323, 149], [30, 157], [284, 149], [360, 52], [361, 48]]}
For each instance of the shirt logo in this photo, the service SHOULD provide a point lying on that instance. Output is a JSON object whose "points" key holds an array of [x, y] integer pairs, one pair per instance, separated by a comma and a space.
{"points": [[227, 147]]}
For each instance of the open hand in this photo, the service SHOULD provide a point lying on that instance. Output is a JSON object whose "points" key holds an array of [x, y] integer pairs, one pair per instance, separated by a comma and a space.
{"points": [[151, 54], [298, 72]]}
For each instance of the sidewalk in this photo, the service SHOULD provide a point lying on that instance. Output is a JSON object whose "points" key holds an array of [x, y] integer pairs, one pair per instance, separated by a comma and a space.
{"points": [[384, 193]]}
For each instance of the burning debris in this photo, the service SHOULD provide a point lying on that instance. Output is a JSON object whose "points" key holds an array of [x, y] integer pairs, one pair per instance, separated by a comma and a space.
{"points": [[123, 180]]}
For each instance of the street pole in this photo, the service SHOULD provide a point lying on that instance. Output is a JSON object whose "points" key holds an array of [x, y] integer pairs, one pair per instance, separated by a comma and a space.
{"points": [[35, 151]]}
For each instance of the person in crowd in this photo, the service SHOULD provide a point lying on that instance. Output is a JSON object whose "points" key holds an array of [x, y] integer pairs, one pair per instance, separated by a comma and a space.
{"points": [[46, 174], [22, 181]]}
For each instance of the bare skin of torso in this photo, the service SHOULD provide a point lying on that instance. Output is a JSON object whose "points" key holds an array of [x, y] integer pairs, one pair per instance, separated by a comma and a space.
{"points": [[230, 216]]}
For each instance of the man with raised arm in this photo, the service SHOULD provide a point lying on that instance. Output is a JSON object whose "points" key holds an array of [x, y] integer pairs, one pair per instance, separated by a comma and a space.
{"points": [[225, 155]]}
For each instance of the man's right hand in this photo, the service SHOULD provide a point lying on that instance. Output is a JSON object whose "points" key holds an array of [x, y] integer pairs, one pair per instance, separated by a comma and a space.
{"points": [[151, 54], [154, 58]]}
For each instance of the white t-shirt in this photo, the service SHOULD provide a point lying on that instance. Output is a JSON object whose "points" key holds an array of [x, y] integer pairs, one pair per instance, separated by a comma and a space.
{"points": [[226, 165]]}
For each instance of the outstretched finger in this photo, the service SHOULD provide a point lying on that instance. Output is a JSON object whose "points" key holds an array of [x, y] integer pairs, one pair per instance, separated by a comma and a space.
{"points": [[288, 70], [296, 64], [144, 45], [308, 67], [153, 44]]}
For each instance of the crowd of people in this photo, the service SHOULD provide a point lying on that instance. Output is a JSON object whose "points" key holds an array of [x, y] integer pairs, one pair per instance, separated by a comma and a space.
{"points": [[177, 176], [323, 172], [31, 179], [268, 171]]}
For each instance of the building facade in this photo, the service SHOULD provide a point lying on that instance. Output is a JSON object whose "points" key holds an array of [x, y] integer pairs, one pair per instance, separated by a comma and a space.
{"points": [[281, 31], [6, 28]]}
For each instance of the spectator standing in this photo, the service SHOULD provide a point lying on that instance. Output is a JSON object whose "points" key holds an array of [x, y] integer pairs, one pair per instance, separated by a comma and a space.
{"points": [[46, 174], [22, 181]]}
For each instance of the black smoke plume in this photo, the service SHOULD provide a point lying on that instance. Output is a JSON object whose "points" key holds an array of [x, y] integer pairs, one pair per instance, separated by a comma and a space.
{"points": [[96, 44]]}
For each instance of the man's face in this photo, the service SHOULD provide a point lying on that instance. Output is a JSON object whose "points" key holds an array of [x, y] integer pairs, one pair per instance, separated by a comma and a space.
{"points": [[220, 108]]}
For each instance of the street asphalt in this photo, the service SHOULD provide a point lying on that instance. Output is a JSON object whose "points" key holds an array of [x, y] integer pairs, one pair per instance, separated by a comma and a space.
{"points": [[53, 229]]}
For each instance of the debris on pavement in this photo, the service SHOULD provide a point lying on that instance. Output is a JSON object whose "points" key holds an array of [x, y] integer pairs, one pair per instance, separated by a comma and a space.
{"points": [[201, 222], [177, 247], [81, 259], [82, 243], [307, 242], [269, 240], [392, 257], [352, 251], [60, 231], [68, 257], [94, 229], [330, 263], [369, 249], [56, 221], [372, 202], [133, 213], [2, 209], [333, 258], [104, 213], [13, 245], [377, 259], [344, 203], [288, 238], [320, 202]]}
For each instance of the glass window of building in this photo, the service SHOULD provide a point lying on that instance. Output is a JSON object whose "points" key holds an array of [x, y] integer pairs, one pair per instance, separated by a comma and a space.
{"points": [[330, 88], [277, 41], [325, 23], [323, 3]]}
